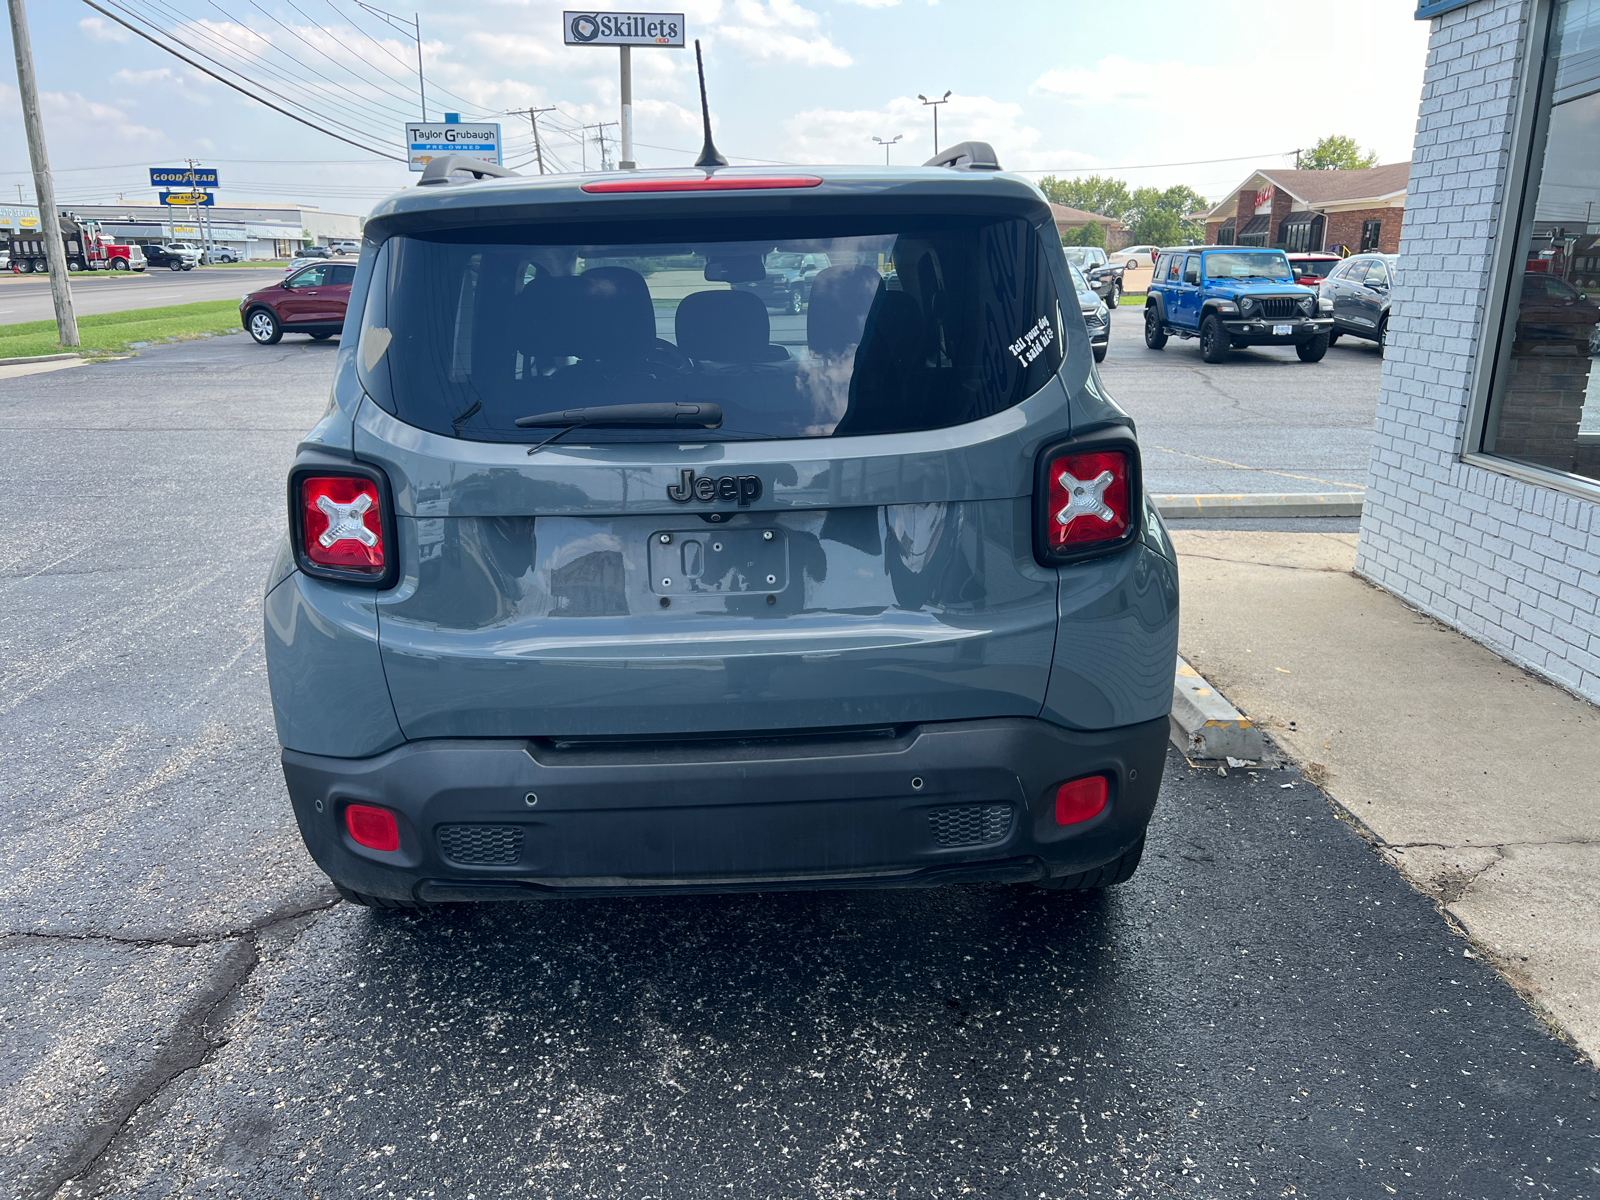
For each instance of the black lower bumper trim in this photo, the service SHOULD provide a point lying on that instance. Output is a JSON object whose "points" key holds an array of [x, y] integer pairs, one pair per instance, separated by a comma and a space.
{"points": [[755, 814]]}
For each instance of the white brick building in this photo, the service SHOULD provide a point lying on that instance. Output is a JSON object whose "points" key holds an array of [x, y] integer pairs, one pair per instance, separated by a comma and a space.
{"points": [[1483, 499]]}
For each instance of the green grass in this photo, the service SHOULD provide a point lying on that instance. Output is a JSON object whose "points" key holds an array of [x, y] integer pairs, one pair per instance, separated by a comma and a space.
{"points": [[1129, 300], [109, 333]]}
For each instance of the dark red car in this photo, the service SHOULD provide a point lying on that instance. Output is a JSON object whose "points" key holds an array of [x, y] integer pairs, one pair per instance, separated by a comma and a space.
{"points": [[1312, 269], [312, 301]]}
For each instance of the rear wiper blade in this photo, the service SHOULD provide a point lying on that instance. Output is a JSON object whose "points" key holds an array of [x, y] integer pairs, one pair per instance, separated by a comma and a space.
{"points": [[662, 415]]}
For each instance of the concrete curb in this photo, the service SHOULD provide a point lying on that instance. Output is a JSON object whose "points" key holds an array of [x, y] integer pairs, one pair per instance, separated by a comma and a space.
{"points": [[33, 358], [1204, 725], [1267, 504]]}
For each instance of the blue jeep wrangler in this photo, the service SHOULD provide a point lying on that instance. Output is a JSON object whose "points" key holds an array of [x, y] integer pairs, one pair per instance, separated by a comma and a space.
{"points": [[1231, 296]]}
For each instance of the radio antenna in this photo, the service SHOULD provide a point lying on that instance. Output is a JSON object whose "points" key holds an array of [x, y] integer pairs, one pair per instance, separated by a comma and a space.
{"points": [[710, 156]]}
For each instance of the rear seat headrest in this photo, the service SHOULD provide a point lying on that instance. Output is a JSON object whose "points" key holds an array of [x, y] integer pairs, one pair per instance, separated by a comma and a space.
{"points": [[726, 326]]}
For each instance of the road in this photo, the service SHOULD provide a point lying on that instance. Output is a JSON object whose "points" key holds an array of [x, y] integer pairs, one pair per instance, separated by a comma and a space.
{"points": [[27, 297], [1265, 1010]]}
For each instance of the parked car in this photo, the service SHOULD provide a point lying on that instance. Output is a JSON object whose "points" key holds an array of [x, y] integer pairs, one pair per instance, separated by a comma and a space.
{"points": [[301, 260], [311, 301], [1311, 268], [5, 260], [786, 283], [624, 591], [1234, 296], [222, 254], [313, 252], [1132, 256], [1552, 310], [176, 256], [345, 247], [1103, 278], [1096, 312], [1356, 294]]}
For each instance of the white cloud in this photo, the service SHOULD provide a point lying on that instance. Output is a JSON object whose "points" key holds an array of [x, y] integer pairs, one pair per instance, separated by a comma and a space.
{"points": [[1126, 83], [69, 117], [840, 136], [98, 29], [880, 3], [760, 43]]}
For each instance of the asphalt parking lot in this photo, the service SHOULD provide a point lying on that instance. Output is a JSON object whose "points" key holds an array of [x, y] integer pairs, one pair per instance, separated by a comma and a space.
{"points": [[1265, 1010], [27, 297], [1261, 422]]}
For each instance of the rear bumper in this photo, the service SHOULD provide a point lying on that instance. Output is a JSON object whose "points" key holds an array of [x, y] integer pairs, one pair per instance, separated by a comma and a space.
{"points": [[834, 810]]}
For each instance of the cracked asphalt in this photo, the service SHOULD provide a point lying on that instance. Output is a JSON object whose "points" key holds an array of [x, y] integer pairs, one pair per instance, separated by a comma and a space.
{"points": [[1267, 1009]]}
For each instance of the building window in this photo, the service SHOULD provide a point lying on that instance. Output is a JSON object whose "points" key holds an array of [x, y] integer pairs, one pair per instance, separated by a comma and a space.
{"points": [[1371, 234], [1301, 232], [1544, 390], [1225, 234]]}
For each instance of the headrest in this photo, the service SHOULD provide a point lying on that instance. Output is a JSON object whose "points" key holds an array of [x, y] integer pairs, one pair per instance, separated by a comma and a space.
{"points": [[615, 316], [841, 297], [730, 326]]}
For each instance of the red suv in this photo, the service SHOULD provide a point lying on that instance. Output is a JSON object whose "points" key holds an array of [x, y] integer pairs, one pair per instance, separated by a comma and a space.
{"points": [[312, 300]]}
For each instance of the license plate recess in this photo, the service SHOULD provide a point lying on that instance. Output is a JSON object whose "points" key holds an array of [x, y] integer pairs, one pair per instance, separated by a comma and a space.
{"points": [[689, 562]]}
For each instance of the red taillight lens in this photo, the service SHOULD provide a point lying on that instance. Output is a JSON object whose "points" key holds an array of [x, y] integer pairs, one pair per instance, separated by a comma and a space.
{"points": [[1081, 799], [341, 521], [371, 827], [1087, 499], [706, 183]]}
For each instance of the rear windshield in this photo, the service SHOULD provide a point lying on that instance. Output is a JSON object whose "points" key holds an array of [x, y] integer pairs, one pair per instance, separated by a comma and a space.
{"points": [[816, 327]]}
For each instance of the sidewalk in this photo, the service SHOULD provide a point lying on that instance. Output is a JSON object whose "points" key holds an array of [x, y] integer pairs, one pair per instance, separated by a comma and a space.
{"points": [[1481, 783]]}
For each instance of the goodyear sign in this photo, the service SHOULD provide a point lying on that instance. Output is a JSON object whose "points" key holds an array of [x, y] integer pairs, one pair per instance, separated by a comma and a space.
{"points": [[189, 199], [183, 177], [622, 29], [426, 142]]}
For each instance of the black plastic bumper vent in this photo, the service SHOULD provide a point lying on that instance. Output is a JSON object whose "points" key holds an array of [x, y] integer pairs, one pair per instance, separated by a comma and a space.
{"points": [[481, 845], [970, 824]]}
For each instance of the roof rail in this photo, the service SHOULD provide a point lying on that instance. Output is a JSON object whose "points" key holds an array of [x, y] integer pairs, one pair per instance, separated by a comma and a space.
{"points": [[439, 170], [967, 156]]}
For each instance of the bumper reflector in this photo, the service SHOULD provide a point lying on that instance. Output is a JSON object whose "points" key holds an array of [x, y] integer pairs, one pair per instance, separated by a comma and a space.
{"points": [[1080, 799], [375, 828]]}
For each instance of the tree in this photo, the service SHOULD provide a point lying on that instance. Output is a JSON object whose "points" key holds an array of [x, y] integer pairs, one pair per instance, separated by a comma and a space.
{"points": [[1157, 217], [1091, 233], [1337, 153], [1096, 194]]}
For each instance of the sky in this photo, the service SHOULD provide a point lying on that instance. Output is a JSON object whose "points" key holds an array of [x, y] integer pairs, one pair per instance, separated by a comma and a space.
{"points": [[1151, 91]]}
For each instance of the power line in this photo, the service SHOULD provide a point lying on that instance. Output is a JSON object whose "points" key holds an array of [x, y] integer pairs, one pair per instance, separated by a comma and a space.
{"points": [[242, 91]]}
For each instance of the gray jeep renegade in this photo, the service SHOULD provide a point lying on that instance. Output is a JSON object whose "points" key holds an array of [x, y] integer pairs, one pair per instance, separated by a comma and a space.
{"points": [[600, 578]]}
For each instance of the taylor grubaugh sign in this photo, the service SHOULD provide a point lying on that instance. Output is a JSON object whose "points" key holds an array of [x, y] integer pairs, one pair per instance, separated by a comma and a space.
{"points": [[426, 141]]}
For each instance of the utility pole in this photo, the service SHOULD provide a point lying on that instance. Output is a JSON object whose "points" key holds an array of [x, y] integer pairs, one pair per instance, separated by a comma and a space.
{"points": [[945, 99], [205, 224], [43, 187], [533, 117], [889, 143], [599, 128]]}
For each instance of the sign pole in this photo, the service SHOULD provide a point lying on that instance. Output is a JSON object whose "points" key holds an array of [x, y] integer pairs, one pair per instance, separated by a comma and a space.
{"points": [[43, 187], [627, 163]]}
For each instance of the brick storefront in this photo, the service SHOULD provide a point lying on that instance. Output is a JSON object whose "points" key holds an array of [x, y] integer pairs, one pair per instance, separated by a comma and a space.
{"points": [[1344, 200]]}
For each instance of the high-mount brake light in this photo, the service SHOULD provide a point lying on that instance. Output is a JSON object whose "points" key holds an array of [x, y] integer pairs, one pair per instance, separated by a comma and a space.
{"points": [[1087, 500], [342, 524], [706, 183]]}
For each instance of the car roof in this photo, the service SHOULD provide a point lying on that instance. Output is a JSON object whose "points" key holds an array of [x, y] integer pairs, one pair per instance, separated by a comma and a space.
{"points": [[554, 197]]}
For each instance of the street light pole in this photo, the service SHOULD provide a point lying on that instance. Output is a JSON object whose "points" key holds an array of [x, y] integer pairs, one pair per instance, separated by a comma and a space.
{"points": [[44, 188], [889, 143], [944, 99], [414, 28]]}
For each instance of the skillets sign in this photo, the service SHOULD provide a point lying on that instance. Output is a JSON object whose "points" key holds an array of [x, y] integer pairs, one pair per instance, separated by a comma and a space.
{"points": [[622, 29]]}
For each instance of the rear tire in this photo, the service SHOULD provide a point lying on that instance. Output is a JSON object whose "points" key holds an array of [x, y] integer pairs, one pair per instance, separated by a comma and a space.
{"points": [[1118, 870], [263, 326], [366, 901], [1154, 336], [1313, 350], [320, 337], [1383, 335], [1214, 341]]}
